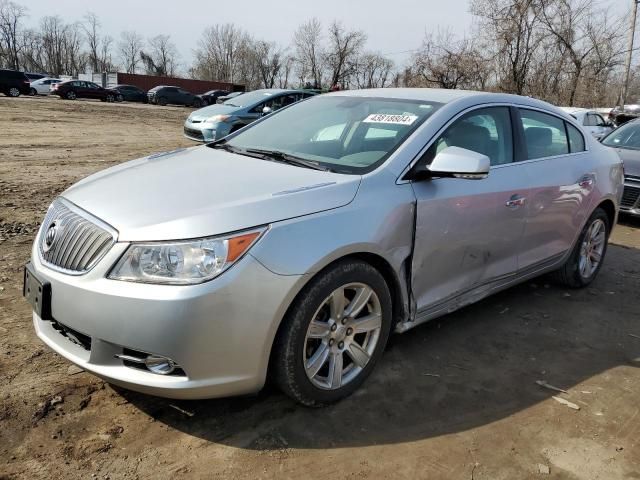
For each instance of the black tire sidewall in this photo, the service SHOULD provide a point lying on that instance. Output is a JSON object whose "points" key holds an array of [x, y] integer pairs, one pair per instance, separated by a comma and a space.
{"points": [[291, 373], [574, 261]]}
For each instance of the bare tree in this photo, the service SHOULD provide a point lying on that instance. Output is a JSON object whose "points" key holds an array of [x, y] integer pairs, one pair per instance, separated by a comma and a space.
{"points": [[574, 25], [307, 42], [512, 28], [222, 52], [343, 50], [372, 70], [161, 57], [11, 15], [285, 72], [129, 48], [61, 47], [269, 61], [445, 62]]}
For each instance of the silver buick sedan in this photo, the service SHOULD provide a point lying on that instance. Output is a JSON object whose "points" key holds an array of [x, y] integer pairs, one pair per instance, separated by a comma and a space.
{"points": [[292, 249]]}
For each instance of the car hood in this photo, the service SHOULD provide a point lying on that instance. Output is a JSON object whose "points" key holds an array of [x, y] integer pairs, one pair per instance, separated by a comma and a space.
{"points": [[212, 110], [630, 160], [200, 191]]}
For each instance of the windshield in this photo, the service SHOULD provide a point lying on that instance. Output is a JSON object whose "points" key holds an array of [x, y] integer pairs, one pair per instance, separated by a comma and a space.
{"points": [[627, 136], [247, 99], [345, 134]]}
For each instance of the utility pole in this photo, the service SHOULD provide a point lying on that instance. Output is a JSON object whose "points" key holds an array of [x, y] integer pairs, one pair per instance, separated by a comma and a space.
{"points": [[625, 85]]}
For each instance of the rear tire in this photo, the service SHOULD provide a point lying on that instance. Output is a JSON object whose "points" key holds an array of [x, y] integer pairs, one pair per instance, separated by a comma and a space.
{"points": [[14, 92], [162, 101], [588, 254], [110, 98], [33, 92], [333, 335], [71, 95]]}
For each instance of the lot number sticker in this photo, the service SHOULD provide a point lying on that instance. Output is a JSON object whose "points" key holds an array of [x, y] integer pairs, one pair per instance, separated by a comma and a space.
{"points": [[394, 119]]}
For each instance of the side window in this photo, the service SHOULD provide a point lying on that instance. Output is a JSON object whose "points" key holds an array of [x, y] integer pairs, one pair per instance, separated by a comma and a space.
{"points": [[544, 135], [486, 131], [599, 120], [576, 140]]}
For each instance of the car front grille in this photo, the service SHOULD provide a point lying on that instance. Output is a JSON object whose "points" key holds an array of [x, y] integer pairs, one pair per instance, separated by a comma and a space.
{"points": [[195, 134], [630, 196], [71, 242]]}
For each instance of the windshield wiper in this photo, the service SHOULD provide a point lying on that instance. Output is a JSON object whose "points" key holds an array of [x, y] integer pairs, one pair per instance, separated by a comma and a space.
{"points": [[287, 158], [223, 145]]}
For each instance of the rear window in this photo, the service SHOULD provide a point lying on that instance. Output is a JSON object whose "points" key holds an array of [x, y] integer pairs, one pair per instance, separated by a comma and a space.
{"points": [[576, 140]]}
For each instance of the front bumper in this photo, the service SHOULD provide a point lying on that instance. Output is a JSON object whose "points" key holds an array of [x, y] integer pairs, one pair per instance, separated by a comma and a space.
{"points": [[219, 332], [206, 132]]}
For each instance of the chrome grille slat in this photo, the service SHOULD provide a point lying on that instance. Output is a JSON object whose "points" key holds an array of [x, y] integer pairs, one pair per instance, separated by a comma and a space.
{"points": [[90, 256], [80, 242], [70, 230], [87, 243]]}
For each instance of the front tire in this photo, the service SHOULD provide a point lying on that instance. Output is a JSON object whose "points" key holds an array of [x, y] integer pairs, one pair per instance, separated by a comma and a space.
{"points": [[588, 254], [162, 101], [33, 92], [110, 98], [71, 95], [334, 334]]}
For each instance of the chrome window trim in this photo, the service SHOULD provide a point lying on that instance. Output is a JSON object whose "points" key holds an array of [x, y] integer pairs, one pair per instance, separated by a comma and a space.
{"points": [[400, 180]]}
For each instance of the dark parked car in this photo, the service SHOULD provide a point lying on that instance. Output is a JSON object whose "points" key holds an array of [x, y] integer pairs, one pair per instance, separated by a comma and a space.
{"points": [[35, 76], [13, 83], [210, 97], [73, 89], [165, 95], [131, 93], [618, 115], [229, 96]]}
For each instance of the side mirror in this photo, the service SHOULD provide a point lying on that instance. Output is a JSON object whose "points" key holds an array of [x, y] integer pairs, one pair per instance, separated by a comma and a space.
{"points": [[460, 163], [266, 110]]}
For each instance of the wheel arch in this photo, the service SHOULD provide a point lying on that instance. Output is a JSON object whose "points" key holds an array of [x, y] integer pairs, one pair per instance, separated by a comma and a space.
{"points": [[397, 287], [610, 209]]}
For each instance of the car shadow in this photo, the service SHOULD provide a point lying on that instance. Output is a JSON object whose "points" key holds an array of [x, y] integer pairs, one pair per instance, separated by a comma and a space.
{"points": [[470, 368]]}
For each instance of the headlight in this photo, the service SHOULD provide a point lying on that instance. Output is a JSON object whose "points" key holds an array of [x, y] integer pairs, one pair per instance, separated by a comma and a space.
{"points": [[182, 263], [218, 118]]}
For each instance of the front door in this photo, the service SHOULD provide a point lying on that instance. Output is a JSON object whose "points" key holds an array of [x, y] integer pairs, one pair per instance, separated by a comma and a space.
{"points": [[468, 231]]}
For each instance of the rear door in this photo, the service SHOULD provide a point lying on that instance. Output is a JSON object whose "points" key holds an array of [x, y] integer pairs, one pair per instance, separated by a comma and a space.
{"points": [[561, 186], [468, 232]]}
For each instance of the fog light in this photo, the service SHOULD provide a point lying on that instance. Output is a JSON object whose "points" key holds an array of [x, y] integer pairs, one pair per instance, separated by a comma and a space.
{"points": [[160, 365]]}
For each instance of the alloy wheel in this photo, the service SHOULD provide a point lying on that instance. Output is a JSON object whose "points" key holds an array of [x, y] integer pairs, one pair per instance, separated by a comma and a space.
{"points": [[14, 92], [592, 248], [342, 336]]}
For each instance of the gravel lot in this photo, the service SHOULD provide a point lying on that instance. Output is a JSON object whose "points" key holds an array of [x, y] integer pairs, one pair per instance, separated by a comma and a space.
{"points": [[456, 398]]}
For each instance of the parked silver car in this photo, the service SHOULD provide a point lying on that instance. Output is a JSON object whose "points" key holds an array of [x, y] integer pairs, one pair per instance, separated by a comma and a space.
{"points": [[626, 140], [592, 121], [293, 249]]}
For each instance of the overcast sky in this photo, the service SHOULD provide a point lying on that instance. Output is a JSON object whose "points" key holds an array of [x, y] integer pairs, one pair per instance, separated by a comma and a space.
{"points": [[392, 26]]}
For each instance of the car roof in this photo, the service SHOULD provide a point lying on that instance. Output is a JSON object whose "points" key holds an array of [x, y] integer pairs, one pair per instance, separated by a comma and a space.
{"points": [[446, 96]]}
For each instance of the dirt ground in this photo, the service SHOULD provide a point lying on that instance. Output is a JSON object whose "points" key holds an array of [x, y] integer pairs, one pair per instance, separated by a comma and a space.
{"points": [[453, 399]]}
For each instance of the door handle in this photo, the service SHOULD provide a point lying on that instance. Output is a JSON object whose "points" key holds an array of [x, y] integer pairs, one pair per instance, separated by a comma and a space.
{"points": [[516, 201]]}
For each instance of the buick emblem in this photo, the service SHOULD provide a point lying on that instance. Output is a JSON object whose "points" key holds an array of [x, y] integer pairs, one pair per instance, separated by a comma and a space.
{"points": [[50, 237]]}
